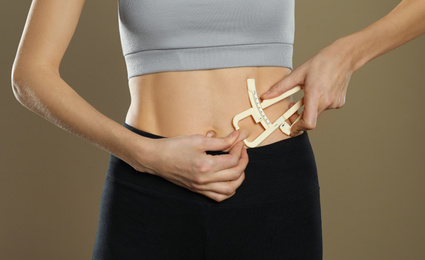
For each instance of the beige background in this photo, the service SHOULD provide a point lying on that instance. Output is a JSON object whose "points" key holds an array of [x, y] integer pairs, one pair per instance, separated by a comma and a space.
{"points": [[370, 154]]}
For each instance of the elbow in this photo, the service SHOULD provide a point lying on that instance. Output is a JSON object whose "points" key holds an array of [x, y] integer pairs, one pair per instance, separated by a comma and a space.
{"points": [[24, 80], [18, 88], [23, 89], [30, 82]]}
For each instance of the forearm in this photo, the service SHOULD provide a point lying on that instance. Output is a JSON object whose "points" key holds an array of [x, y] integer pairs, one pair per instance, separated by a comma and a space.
{"points": [[404, 23], [44, 92]]}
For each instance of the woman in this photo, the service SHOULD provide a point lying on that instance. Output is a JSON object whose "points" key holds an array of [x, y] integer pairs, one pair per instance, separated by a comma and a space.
{"points": [[167, 198]]}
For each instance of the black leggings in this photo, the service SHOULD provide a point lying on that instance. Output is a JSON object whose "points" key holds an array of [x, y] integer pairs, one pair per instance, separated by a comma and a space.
{"points": [[275, 213]]}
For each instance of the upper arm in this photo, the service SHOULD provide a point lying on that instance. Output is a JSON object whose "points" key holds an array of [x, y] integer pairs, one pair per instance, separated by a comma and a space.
{"points": [[48, 30]]}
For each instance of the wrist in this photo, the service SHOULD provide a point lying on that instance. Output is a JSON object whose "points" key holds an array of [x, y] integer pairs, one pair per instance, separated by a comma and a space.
{"points": [[136, 150], [353, 51]]}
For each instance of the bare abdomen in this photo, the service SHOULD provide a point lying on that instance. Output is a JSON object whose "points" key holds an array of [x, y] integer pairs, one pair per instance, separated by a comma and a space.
{"points": [[194, 102]]}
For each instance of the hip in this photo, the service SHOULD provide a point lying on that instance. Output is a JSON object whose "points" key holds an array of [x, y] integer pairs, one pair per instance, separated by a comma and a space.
{"points": [[283, 171], [275, 213]]}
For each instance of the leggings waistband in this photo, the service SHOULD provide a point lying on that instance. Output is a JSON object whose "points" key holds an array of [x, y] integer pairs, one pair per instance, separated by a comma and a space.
{"points": [[284, 170], [287, 146]]}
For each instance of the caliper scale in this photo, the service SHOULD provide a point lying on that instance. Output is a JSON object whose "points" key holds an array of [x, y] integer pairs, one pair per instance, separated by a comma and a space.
{"points": [[257, 112]]}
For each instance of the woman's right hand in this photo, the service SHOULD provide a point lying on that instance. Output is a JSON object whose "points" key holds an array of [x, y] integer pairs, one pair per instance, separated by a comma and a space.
{"points": [[183, 161]]}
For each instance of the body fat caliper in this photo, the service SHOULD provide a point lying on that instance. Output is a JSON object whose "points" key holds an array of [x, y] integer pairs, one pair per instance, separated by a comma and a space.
{"points": [[257, 112]]}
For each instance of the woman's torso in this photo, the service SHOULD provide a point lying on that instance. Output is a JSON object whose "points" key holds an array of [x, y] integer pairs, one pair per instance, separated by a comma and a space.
{"points": [[188, 62], [177, 103]]}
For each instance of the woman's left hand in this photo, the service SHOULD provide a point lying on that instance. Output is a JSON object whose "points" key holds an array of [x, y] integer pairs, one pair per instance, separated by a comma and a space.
{"points": [[324, 79]]}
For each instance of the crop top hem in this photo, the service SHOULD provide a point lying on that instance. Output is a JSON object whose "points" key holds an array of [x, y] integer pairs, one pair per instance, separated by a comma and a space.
{"points": [[210, 57]]}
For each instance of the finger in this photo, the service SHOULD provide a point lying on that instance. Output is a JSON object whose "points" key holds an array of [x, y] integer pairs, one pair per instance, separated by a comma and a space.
{"points": [[293, 120], [227, 174], [294, 116], [215, 196], [227, 161], [309, 115], [243, 134], [225, 187], [220, 143], [220, 191], [230, 176], [295, 78], [211, 194]]}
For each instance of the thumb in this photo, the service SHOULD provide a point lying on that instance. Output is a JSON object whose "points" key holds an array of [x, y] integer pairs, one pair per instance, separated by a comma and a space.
{"points": [[222, 143], [310, 114], [294, 79]]}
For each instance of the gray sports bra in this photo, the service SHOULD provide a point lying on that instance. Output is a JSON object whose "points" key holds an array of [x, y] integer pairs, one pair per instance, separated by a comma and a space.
{"points": [[176, 35]]}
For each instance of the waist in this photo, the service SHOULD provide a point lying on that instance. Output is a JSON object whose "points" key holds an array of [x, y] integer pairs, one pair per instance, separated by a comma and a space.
{"points": [[194, 102], [282, 171]]}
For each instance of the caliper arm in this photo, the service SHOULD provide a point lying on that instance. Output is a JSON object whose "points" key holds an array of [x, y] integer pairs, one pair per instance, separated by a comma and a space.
{"points": [[257, 112]]}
